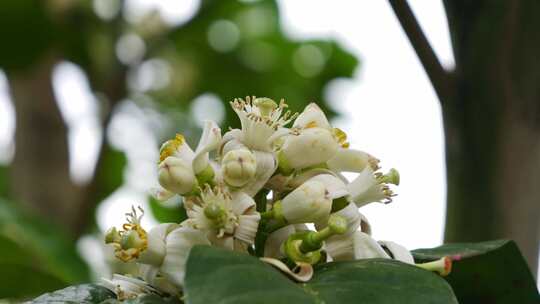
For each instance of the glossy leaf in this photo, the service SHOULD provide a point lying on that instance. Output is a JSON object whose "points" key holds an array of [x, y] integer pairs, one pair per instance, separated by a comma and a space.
{"points": [[378, 281], [215, 275], [218, 276], [85, 293], [488, 272]]}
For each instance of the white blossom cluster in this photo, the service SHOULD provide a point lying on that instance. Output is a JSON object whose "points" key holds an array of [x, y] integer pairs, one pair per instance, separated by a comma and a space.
{"points": [[264, 177]]}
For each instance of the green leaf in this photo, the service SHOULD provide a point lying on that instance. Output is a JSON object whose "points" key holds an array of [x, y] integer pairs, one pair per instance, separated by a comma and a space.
{"points": [[488, 272], [215, 275], [43, 244], [378, 281], [167, 212], [85, 293], [22, 274]]}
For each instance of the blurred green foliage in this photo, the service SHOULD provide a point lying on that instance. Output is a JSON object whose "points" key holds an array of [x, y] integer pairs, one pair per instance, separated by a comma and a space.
{"points": [[35, 255]]}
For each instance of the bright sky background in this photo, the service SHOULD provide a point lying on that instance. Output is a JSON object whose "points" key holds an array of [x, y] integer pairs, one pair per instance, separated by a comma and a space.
{"points": [[388, 109]]}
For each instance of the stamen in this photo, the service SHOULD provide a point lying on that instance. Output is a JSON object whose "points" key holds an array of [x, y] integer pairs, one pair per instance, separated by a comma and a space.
{"points": [[341, 137], [170, 147], [132, 240]]}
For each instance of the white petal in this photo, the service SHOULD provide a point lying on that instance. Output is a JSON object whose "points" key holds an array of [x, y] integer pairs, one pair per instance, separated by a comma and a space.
{"points": [[242, 203], [247, 227], [266, 166], [152, 275], [280, 133], [161, 194], [365, 247], [209, 141], [365, 226], [155, 251], [273, 248], [303, 272], [226, 241], [351, 214], [307, 204], [349, 160], [183, 151], [312, 116], [340, 247], [305, 175], [336, 187], [399, 252], [255, 133], [365, 188], [311, 147], [126, 287], [179, 243]]}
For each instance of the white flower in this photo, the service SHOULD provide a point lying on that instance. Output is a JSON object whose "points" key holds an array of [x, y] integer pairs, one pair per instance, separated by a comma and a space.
{"points": [[372, 186], [238, 167], [127, 287], [311, 202], [180, 169], [307, 147], [312, 142], [230, 219], [131, 241], [177, 176], [311, 117], [360, 245], [261, 118]]}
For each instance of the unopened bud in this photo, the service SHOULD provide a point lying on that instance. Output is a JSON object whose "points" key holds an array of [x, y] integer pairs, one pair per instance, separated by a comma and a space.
{"points": [[176, 176], [310, 147], [239, 167], [306, 204]]}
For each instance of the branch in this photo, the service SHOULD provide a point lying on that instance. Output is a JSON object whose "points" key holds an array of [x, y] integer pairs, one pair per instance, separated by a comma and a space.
{"points": [[439, 77]]}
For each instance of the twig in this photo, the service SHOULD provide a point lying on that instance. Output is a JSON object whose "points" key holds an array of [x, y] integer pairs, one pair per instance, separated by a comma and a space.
{"points": [[439, 77]]}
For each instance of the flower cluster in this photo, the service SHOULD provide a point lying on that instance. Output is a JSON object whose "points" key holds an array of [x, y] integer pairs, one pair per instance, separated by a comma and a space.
{"points": [[263, 184]]}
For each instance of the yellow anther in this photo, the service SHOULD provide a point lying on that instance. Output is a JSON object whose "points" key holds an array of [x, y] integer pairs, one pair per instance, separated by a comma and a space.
{"points": [[341, 137], [311, 124], [170, 147]]}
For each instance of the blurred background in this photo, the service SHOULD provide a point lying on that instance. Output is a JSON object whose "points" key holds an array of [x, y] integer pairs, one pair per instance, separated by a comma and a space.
{"points": [[90, 88]]}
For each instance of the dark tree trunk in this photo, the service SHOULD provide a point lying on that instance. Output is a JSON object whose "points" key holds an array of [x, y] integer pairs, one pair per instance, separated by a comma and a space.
{"points": [[40, 177], [492, 124], [491, 113]]}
